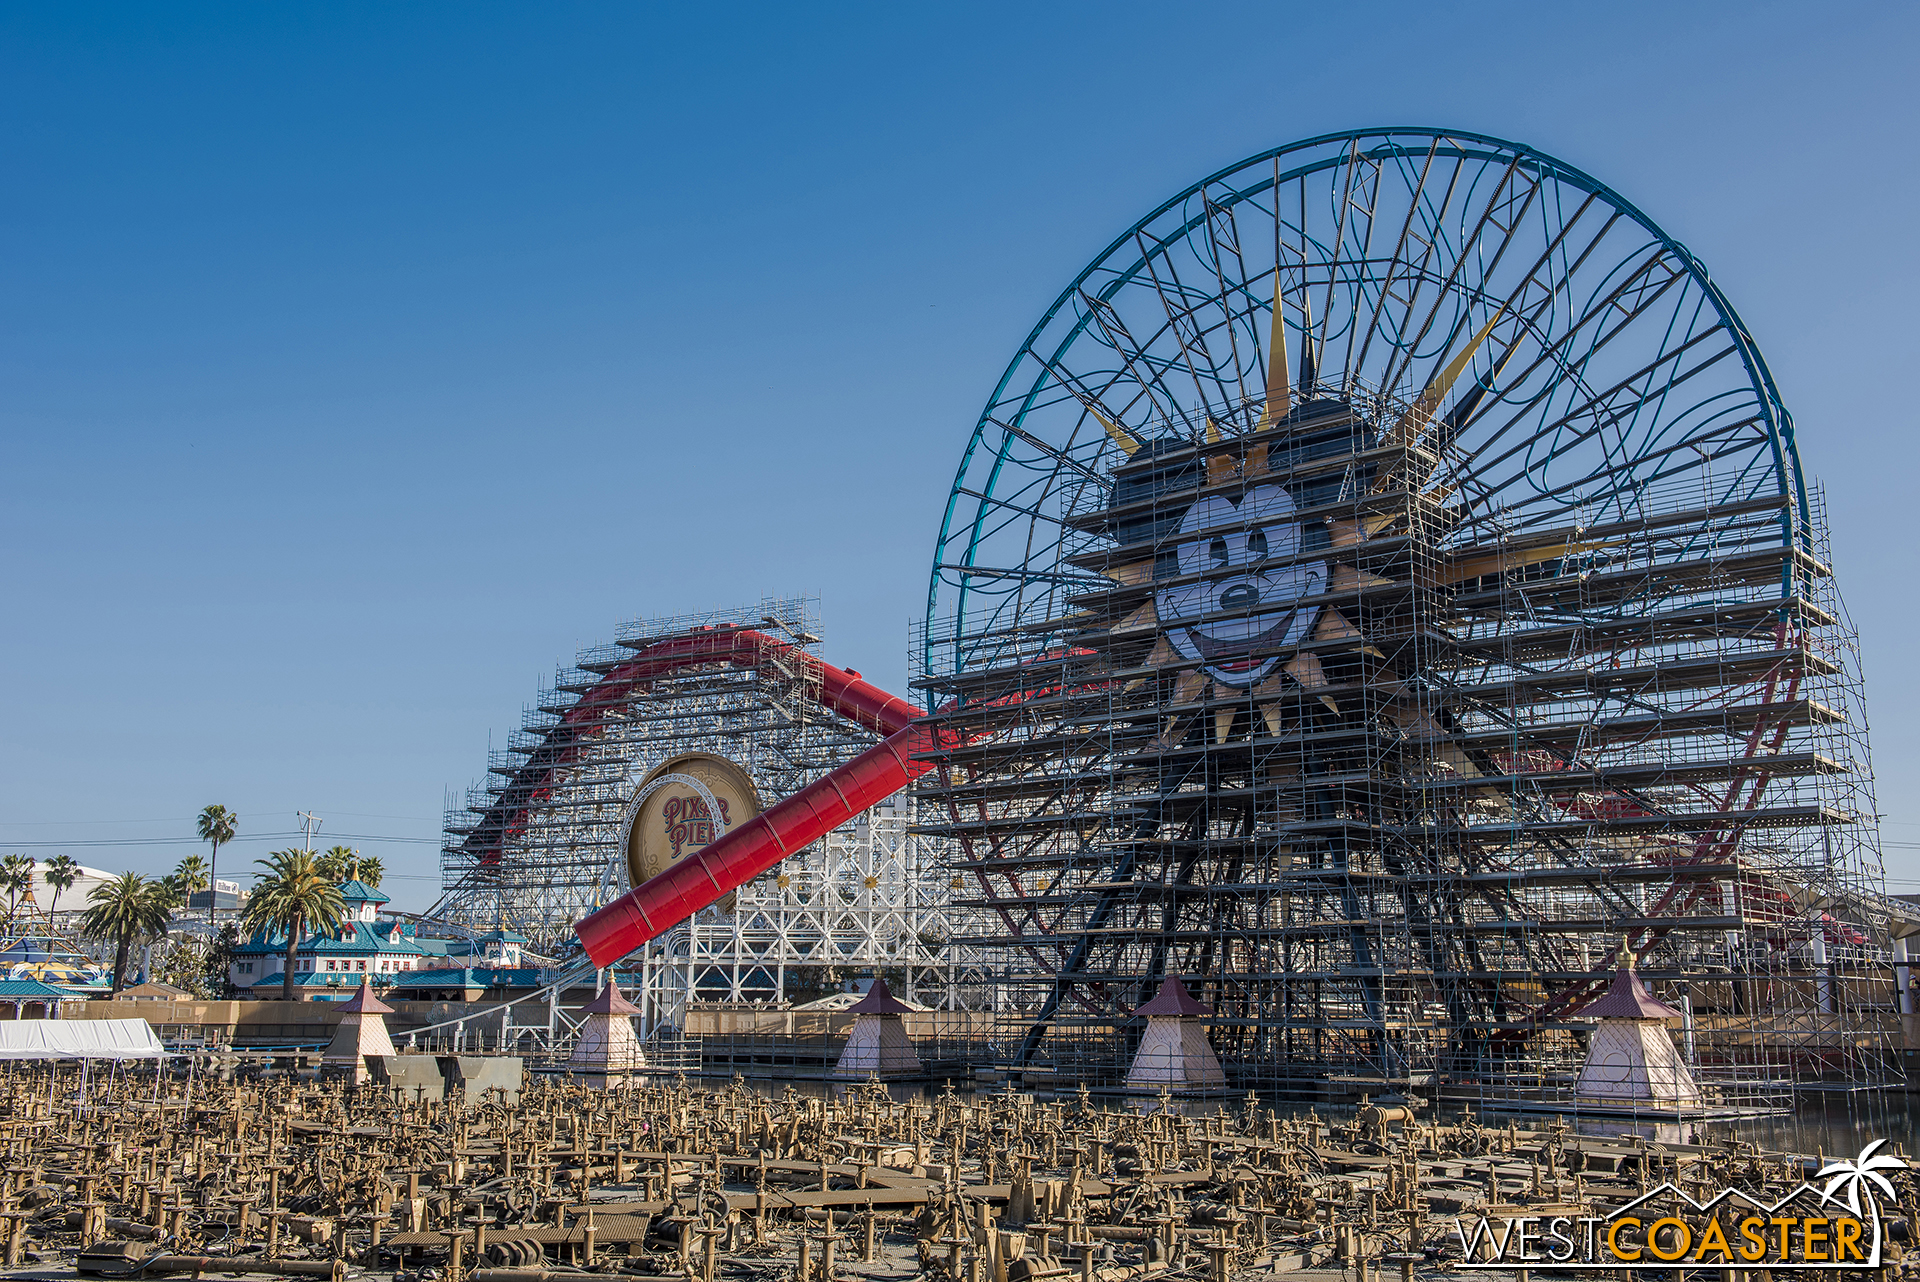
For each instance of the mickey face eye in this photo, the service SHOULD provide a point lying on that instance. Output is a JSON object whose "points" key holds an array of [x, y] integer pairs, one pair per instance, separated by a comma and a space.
{"points": [[1257, 545], [1218, 549]]}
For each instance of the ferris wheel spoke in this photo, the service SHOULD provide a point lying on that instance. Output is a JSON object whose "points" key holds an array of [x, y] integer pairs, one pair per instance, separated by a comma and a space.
{"points": [[1343, 204], [1532, 313], [1453, 284], [1553, 360], [1228, 293], [1149, 371], [1427, 217], [1174, 315]]}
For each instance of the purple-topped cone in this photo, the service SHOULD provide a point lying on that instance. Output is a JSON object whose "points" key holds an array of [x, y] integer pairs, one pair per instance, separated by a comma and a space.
{"points": [[361, 1032], [608, 1001], [606, 1053], [365, 1003], [879, 1000], [1174, 999], [1628, 997]]}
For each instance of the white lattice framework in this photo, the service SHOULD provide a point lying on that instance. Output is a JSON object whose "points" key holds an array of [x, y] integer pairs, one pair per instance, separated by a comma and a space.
{"points": [[870, 897]]}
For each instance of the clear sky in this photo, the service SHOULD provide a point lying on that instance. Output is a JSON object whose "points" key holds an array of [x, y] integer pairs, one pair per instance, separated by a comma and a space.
{"points": [[362, 361]]}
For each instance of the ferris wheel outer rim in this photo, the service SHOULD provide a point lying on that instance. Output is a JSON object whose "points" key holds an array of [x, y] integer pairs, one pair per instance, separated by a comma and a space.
{"points": [[1779, 421]]}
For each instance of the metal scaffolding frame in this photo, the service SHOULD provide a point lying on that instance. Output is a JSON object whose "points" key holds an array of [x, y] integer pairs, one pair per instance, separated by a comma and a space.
{"points": [[541, 844], [1531, 650]]}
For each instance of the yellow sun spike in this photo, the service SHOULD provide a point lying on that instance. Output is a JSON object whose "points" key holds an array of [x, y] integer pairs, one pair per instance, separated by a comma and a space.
{"points": [[1279, 378], [1436, 391], [1126, 440]]}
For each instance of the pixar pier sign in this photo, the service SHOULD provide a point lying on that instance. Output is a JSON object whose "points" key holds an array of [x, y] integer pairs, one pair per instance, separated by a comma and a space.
{"points": [[1837, 1226]]}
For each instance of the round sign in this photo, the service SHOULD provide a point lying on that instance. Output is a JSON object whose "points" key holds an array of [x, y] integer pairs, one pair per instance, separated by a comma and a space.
{"points": [[675, 819]]}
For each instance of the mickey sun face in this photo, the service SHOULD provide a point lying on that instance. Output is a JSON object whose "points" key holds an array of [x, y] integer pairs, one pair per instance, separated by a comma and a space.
{"points": [[1227, 542]]}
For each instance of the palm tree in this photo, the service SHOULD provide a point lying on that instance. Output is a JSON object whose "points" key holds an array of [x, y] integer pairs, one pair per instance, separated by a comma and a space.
{"points": [[16, 879], [189, 876], [345, 864], [61, 872], [217, 827], [293, 894], [127, 908], [337, 863]]}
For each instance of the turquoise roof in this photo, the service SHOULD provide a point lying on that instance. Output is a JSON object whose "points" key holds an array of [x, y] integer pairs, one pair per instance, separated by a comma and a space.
{"points": [[30, 988], [500, 936], [360, 892], [469, 977], [337, 987], [366, 939]]}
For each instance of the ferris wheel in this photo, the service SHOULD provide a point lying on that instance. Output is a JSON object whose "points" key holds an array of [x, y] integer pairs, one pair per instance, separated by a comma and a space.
{"points": [[1383, 589]]}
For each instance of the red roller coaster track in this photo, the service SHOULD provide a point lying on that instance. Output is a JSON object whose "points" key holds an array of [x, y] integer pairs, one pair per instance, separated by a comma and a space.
{"points": [[661, 903]]}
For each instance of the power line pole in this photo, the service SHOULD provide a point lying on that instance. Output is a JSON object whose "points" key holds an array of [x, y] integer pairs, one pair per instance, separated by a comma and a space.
{"points": [[310, 822]]}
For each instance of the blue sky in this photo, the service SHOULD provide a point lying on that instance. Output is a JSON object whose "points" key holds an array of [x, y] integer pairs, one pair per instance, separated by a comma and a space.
{"points": [[363, 361]]}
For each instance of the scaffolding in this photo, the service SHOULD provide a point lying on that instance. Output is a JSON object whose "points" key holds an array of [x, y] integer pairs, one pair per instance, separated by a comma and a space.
{"points": [[543, 842], [1320, 631]]}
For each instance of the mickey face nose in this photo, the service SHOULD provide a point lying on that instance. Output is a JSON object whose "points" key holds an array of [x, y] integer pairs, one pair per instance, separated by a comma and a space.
{"points": [[1240, 597]]}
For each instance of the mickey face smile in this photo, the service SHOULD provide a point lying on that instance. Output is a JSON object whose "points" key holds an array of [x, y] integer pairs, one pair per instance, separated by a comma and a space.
{"points": [[1228, 542]]}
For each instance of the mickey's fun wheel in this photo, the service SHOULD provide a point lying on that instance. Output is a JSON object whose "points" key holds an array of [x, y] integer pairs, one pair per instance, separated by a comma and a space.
{"points": [[1382, 582]]}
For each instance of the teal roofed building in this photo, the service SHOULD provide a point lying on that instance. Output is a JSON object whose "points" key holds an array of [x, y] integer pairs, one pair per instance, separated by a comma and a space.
{"points": [[389, 954], [361, 946]]}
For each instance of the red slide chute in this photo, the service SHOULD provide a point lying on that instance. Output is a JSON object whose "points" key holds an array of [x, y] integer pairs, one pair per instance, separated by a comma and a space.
{"points": [[659, 904]]}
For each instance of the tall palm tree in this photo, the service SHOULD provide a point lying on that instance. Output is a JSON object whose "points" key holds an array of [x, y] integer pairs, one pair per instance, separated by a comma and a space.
{"points": [[369, 869], [217, 827], [127, 908], [293, 894], [61, 872], [16, 879]]}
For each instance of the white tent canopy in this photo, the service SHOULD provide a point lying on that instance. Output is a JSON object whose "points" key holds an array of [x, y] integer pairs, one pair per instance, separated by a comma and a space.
{"points": [[79, 1039], [44, 895]]}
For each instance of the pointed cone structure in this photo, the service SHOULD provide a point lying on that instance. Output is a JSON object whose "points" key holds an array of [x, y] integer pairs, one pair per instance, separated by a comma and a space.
{"points": [[1630, 1057], [362, 1031], [607, 1052], [1174, 1052], [877, 1044]]}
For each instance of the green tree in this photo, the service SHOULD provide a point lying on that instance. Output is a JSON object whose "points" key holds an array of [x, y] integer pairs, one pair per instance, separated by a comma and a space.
{"points": [[127, 908], [61, 872], [16, 879], [217, 976], [345, 864], [293, 895], [217, 827], [189, 877], [337, 863]]}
